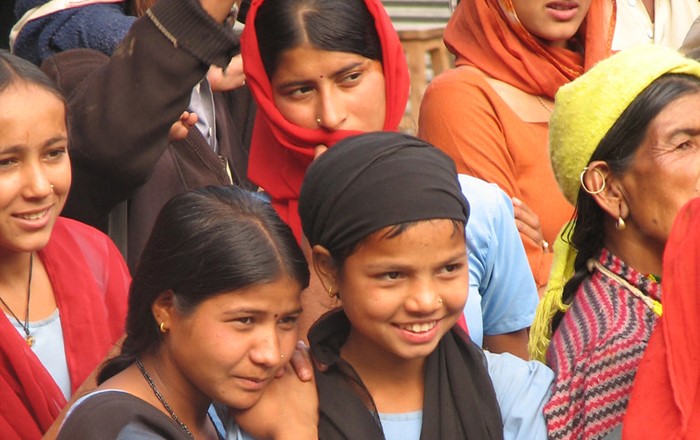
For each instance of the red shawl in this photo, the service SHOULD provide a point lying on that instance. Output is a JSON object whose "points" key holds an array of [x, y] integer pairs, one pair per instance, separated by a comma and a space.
{"points": [[665, 400], [487, 34], [90, 283], [280, 152]]}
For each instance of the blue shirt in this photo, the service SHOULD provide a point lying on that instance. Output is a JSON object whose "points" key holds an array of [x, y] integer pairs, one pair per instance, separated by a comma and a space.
{"points": [[502, 292]]}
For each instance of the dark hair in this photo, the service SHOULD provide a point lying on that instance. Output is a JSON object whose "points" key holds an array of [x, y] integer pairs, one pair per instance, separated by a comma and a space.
{"points": [[205, 242], [339, 255], [617, 149], [14, 69], [333, 25]]}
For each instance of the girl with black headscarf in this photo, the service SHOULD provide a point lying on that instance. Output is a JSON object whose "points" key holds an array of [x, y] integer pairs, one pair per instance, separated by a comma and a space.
{"points": [[385, 216]]}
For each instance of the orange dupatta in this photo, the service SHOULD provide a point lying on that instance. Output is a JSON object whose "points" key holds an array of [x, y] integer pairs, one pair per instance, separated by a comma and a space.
{"points": [[487, 34]]}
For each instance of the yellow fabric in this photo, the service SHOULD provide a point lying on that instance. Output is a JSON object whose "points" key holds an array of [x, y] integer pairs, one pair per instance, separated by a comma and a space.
{"points": [[551, 303], [587, 107]]}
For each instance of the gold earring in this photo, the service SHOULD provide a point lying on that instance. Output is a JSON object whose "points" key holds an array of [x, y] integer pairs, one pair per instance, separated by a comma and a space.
{"points": [[162, 327], [620, 224], [583, 184], [330, 292]]}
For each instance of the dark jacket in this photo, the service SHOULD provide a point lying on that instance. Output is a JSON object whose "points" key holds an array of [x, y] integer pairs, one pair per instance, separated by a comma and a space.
{"points": [[121, 109]]}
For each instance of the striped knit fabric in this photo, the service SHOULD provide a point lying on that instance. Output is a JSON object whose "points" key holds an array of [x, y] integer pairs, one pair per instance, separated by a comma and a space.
{"points": [[595, 352]]}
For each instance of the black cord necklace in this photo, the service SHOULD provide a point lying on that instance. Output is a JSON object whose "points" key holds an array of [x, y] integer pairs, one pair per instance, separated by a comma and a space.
{"points": [[159, 396], [25, 325]]}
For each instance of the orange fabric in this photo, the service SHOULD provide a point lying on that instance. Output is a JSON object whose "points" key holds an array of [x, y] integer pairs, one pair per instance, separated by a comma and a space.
{"points": [[463, 115], [665, 399], [495, 145], [487, 34]]}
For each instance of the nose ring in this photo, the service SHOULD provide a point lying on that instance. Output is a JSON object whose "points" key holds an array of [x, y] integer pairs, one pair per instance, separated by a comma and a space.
{"points": [[440, 300], [52, 188], [318, 121]]}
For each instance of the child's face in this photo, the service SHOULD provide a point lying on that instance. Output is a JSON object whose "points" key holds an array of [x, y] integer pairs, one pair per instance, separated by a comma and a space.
{"points": [[231, 345], [402, 294]]}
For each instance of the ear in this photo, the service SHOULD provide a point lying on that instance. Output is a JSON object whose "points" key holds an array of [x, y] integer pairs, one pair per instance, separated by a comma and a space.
{"points": [[606, 189], [325, 268], [163, 309]]}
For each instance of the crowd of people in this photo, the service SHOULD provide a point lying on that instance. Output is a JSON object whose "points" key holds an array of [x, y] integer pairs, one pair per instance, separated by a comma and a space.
{"points": [[212, 227]]}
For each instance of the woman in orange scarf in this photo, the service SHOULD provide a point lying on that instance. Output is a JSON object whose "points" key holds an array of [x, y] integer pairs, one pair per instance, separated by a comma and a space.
{"points": [[665, 402], [491, 112]]}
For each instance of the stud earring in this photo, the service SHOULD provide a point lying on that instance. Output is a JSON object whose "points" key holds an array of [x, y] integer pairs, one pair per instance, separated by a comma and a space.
{"points": [[330, 292], [162, 327], [620, 224]]}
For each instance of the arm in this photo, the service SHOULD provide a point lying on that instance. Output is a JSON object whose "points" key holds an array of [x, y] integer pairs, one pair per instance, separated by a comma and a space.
{"points": [[121, 112]]}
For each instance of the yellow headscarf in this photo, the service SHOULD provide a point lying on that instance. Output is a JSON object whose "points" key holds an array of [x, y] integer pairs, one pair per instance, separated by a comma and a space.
{"points": [[585, 109]]}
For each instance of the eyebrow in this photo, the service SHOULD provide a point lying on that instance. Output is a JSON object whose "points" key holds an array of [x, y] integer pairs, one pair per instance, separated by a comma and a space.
{"points": [[11, 149], [253, 311], [335, 74]]}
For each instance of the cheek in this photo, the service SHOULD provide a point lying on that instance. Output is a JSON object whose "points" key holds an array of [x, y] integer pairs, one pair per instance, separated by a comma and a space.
{"points": [[299, 114]]}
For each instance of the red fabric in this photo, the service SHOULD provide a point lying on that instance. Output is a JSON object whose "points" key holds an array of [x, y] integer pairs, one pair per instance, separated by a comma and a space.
{"points": [[665, 399], [486, 34], [90, 282], [280, 152]]}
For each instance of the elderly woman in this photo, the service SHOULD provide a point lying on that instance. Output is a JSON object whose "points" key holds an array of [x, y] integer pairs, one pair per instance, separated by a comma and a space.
{"points": [[628, 167]]}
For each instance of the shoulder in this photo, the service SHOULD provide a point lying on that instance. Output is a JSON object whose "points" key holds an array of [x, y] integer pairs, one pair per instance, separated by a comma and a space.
{"points": [[117, 415], [67, 231], [522, 389]]}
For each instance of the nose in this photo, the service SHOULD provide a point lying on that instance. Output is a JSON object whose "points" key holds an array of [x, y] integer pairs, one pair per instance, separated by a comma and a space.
{"points": [[424, 298], [36, 181], [332, 112], [266, 350]]}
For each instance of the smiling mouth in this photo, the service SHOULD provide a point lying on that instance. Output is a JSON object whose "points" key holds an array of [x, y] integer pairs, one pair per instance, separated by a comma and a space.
{"points": [[418, 327], [35, 216]]}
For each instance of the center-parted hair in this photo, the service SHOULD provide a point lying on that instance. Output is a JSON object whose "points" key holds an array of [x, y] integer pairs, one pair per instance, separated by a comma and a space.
{"points": [[205, 242], [332, 25], [368, 182]]}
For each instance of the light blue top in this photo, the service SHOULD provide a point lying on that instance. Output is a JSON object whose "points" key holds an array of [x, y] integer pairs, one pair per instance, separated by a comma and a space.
{"points": [[502, 292], [49, 348], [522, 388]]}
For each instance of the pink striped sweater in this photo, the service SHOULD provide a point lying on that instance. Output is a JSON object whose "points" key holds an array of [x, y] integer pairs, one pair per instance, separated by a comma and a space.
{"points": [[595, 352]]}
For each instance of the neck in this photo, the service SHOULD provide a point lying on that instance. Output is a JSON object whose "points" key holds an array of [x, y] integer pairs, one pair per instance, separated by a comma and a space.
{"points": [[14, 272], [649, 5], [395, 384], [640, 252], [187, 402]]}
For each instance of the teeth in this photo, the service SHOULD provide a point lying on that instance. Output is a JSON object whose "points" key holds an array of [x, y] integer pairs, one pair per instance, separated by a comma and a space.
{"points": [[36, 216], [419, 328]]}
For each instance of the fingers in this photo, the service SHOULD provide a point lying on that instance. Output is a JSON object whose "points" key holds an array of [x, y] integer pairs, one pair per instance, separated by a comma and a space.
{"points": [[230, 78], [319, 150], [181, 127], [301, 362]]}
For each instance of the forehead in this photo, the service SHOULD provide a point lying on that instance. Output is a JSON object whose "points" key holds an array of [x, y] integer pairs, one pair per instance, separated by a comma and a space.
{"points": [[678, 117], [306, 60]]}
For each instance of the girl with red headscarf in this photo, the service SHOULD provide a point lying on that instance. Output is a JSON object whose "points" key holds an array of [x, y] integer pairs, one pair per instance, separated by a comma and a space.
{"points": [[307, 98]]}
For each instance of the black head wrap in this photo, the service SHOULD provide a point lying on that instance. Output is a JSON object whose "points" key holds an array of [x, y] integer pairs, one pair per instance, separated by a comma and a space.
{"points": [[367, 182]]}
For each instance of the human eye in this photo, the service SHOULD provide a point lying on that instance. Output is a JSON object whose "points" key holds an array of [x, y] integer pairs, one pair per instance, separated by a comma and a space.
{"points": [[452, 268], [351, 78], [390, 276], [56, 153], [243, 322], [300, 92], [288, 322], [7, 162]]}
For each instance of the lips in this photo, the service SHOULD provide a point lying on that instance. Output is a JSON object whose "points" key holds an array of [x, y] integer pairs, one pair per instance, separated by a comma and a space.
{"points": [[32, 216], [562, 10]]}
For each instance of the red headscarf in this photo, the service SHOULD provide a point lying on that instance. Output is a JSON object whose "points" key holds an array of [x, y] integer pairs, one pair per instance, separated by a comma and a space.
{"points": [[665, 399], [280, 151], [488, 35]]}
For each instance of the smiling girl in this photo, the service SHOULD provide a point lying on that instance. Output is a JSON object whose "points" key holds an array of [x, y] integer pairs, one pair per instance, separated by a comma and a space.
{"points": [[63, 285], [385, 216]]}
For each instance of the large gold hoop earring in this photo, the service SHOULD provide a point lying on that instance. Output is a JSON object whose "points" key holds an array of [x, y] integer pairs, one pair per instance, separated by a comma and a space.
{"points": [[583, 184]]}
